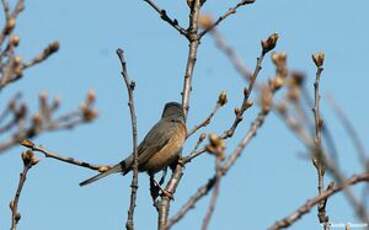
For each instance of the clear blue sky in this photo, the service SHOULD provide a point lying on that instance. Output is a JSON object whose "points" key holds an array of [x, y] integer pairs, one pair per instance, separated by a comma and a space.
{"points": [[267, 183]]}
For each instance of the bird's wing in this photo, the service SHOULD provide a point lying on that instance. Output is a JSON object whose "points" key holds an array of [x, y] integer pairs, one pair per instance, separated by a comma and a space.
{"points": [[156, 139]]}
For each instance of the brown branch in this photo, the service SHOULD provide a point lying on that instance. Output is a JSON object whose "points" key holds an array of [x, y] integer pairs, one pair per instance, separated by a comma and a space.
{"points": [[164, 16], [195, 152], [214, 195], [222, 100], [246, 103], [306, 207], [46, 53], [209, 185], [192, 35], [258, 122], [267, 94], [49, 154], [134, 185], [229, 12], [29, 160], [290, 122], [15, 68], [194, 40], [318, 155], [42, 122]]}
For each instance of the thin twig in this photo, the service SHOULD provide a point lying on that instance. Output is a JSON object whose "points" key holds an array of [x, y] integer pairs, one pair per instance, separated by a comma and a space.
{"points": [[205, 122], [15, 71], [214, 195], [164, 16], [290, 122], [228, 133], [229, 12], [209, 185], [134, 185], [193, 37], [326, 131], [306, 207], [318, 160], [48, 154], [194, 151], [42, 122], [246, 103], [46, 53], [29, 160]]}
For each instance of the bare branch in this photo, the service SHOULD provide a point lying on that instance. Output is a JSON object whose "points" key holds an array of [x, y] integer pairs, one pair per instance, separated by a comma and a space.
{"points": [[134, 185], [318, 155], [229, 12], [204, 189], [306, 207], [48, 154], [192, 32], [164, 16], [42, 121], [214, 195], [46, 53], [222, 100], [29, 160], [15, 67]]}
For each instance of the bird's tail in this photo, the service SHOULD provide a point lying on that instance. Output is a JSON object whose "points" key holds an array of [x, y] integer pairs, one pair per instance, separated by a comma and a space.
{"points": [[121, 167]]}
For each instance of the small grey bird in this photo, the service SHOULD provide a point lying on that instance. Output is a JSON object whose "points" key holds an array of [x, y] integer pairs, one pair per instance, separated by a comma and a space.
{"points": [[160, 148]]}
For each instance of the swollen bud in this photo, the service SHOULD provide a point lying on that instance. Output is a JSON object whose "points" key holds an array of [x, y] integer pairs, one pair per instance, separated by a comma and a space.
{"points": [[222, 99], [318, 58], [29, 158], [269, 43], [216, 146]]}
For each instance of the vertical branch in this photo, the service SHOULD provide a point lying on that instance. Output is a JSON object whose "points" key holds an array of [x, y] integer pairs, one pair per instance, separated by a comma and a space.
{"points": [[29, 160], [318, 160], [194, 39], [214, 195], [134, 184]]}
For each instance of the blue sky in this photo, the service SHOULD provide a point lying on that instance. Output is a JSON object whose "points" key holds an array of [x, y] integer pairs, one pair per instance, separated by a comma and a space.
{"points": [[268, 182]]}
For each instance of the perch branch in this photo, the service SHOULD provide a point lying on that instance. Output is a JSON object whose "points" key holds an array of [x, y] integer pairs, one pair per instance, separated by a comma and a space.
{"points": [[306, 207], [134, 185], [48, 154]]}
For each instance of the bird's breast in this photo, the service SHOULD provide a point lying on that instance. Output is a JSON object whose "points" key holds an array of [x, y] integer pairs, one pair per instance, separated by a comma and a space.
{"points": [[169, 153]]}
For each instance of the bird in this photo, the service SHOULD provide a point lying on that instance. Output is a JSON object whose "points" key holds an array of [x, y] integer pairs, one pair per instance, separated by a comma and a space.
{"points": [[160, 148]]}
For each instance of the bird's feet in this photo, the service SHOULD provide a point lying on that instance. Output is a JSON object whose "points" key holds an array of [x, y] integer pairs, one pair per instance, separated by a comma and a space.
{"points": [[163, 192]]}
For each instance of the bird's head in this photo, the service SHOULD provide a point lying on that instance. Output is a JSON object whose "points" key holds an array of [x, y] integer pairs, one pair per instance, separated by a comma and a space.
{"points": [[173, 110]]}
